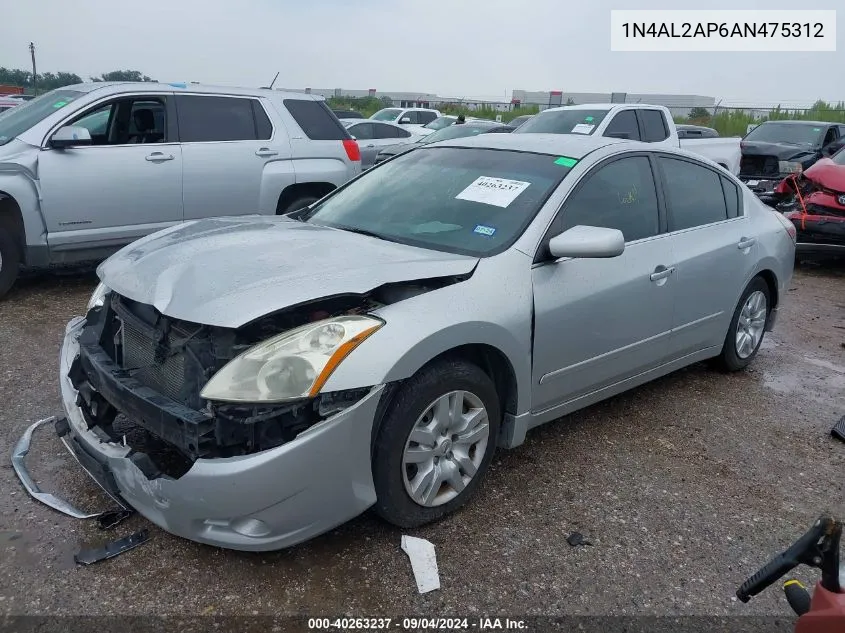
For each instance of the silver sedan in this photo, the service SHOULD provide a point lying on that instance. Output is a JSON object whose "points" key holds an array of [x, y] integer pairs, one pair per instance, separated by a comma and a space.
{"points": [[376, 348]]}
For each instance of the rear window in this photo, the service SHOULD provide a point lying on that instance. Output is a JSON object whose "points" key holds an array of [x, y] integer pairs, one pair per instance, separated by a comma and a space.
{"points": [[563, 122], [654, 126], [316, 120]]}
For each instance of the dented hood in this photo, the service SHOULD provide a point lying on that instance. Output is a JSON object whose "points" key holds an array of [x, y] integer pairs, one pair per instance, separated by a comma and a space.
{"points": [[230, 271]]}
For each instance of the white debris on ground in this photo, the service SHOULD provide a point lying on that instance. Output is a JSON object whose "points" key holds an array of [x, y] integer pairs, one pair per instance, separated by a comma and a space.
{"points": [[423, 562]]}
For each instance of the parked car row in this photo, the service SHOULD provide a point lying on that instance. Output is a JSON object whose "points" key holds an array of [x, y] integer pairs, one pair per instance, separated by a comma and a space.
{"points": [[375, 348], [470, 128]]}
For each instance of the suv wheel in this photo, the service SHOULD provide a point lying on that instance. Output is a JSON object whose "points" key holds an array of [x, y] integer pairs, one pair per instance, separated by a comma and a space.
{"points": [[9, 261]]}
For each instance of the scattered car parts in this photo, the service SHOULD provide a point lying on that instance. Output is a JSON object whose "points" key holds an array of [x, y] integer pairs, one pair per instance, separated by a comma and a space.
{"points": [[110, 550], [838, 431], [423, 562]]}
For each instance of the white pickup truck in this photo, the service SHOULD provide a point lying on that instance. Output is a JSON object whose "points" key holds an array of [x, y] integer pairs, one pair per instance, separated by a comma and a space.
{"points": [[635, 121]]}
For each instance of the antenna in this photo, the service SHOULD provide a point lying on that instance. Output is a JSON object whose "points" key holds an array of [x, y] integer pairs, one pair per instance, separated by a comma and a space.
{"points": [[274, 81]]}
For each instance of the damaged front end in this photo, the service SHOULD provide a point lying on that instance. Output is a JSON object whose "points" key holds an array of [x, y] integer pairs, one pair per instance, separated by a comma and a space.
{"points": [[240, 475], [814, 201]]}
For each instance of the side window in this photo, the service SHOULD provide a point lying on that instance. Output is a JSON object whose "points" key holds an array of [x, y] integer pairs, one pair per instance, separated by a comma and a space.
{"points": [[210, 118], [731, 197], [830, 136], [380, 130], [619, 195], [97, 123], [316, 120], [426, 117], [263, 127], [400, 133], [362, 131], [413, 117], [694, 194], [624, 125], [126, 121], [654, 126]]}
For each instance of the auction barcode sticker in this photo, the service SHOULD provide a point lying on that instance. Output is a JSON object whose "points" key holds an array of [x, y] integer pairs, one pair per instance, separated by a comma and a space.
{"points": [[499, 192], [714, 30]]}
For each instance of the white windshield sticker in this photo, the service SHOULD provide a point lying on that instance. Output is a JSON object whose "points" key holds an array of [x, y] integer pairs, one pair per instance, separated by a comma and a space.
{"points": [[583, 128], [499, 192]]}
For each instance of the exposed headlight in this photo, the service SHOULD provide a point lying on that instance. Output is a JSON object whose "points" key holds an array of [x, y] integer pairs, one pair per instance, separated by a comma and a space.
{"points": [[788, 166], [98, 298], [292, 365]]}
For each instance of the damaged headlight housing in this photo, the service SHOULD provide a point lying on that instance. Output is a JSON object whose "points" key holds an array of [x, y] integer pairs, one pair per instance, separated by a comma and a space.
{"points": [[98, 298], [292, 365], [789, 167]]}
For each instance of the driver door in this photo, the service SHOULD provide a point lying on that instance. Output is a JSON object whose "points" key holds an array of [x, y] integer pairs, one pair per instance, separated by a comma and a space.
{"points": [[127, 184], [601, 321]]}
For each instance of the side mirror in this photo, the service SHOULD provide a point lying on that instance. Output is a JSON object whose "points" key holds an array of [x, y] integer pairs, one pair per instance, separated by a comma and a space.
{"points": [[405, 119], [587, 242], [70, 136], [354, 138]]}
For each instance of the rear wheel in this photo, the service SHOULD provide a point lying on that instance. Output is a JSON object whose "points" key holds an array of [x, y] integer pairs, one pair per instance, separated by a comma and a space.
{"points": [[435, 443], [299, 203], [748, 326], [10, 257]]}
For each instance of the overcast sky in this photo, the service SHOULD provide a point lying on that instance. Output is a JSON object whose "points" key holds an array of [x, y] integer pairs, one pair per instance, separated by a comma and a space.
{"points": [[462, 48]]}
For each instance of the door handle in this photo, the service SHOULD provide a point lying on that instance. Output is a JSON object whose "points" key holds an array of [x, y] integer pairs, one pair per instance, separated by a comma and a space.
{"points": [[746, 242], [370, 145], [157, 157], [266, 151], [657, 275]]}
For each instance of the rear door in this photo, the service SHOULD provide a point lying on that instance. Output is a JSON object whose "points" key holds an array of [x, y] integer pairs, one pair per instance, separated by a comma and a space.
{"points": [[227, 143], [601, 321], [388, 135], [715, 251], [653, 125], [364, 134]]}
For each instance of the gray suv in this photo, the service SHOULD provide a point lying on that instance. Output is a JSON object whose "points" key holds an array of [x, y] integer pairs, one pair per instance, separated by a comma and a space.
{"points": [[89, 168]]}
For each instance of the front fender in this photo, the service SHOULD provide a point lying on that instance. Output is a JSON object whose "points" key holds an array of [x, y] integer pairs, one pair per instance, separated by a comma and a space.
{"points": [[494, 308], [19, 184]]}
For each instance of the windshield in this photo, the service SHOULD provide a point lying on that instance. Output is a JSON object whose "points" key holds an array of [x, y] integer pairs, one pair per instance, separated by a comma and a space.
{"points": [[454, 131], [789, 133], [440, 122], [388, 114], [563, 122], [22, 117], [460, 200]]}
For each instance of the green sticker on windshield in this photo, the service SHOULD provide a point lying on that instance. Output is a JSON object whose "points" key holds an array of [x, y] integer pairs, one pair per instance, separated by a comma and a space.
{"points": [[588, 119], [817, 129], [565, 162], [59, 104]]}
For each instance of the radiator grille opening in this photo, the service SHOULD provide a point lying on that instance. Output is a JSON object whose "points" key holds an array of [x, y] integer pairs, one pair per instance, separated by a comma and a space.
{"points": [[139, 357]]}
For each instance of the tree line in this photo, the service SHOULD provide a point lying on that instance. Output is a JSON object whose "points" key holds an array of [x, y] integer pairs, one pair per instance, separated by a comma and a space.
{"points": [[50, 80]]}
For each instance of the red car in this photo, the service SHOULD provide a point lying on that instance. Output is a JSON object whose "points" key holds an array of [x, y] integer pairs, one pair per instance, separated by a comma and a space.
{"points": [[815, 202]]}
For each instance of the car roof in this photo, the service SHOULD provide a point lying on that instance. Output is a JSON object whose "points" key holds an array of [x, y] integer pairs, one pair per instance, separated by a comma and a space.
{"points": [[601, 106], [117, 87], [362, 121], [793, 122], [571, 145]]}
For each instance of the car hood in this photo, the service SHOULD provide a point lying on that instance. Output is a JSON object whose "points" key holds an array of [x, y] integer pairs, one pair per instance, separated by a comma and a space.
{"points": [[230, 271], [828, 174], [783, 151]]}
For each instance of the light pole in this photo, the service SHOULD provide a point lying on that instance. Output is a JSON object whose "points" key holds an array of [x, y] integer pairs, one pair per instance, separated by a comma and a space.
{"points": [[34, 73]]}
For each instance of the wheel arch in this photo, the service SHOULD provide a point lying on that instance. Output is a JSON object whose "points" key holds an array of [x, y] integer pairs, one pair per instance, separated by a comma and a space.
{"points": [[300, 190]]}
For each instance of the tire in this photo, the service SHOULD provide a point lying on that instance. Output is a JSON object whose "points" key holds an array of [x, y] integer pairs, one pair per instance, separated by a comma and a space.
{"points": [[10, 257], [299, 203], [732, 359], [455, 380]]}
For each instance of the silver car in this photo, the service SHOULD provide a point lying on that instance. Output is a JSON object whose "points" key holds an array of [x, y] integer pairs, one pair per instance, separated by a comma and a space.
{"points": [[375, 349], [91, 167], [374, 136]]}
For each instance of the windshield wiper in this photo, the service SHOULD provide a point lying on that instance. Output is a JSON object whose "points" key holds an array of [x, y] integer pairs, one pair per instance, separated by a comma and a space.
{"points": [[362, 232]]}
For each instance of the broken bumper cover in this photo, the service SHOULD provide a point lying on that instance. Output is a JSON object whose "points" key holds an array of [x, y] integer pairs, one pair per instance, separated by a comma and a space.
{"points": [[263, 501]]}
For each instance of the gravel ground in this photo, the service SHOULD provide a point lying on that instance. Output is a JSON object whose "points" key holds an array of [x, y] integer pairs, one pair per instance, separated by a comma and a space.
{"points": [[684, 487]]}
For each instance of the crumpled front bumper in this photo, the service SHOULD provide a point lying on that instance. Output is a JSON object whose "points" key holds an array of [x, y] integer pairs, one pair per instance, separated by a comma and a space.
{"points": [[264, 501]]}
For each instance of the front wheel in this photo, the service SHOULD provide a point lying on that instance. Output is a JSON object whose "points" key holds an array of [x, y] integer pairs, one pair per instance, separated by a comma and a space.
{"points": [[748, 326], [435, 443]]}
